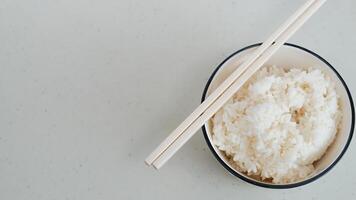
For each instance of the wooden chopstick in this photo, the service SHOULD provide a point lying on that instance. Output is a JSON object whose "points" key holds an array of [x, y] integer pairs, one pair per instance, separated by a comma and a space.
{"points": [[198, 111], [188, 133], [212, 97], [187, 125]]}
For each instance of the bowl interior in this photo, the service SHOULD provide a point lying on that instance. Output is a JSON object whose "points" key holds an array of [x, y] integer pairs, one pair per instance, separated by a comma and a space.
{"points": [[290, 56]]}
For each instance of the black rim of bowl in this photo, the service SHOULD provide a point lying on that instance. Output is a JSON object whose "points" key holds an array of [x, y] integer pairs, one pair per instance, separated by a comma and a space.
{"points": [[282, 186]]}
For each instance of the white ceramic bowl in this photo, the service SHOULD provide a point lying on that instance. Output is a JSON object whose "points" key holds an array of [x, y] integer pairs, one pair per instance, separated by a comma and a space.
{"points": [[289, 55]]}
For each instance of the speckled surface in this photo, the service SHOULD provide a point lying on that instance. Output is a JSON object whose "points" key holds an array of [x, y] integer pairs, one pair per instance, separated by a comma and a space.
{"points": [[89, 88]]}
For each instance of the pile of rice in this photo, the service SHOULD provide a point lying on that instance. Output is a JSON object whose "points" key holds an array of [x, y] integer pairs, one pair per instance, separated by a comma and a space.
{"points": [[279, 123]]}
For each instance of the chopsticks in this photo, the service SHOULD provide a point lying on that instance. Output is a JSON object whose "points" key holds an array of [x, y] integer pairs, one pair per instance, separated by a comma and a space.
{"points": [[228, 88]]}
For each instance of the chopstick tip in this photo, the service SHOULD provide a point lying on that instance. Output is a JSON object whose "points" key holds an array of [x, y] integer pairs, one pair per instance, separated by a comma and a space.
{"points": [[155, 167], [147, 163]]}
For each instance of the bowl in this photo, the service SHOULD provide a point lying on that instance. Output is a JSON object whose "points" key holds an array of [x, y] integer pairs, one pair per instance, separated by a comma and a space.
{"points": [[290, 55]]}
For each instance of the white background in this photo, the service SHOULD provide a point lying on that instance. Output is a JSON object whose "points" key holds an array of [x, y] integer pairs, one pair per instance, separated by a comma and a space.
{"points": [[89, 88]]}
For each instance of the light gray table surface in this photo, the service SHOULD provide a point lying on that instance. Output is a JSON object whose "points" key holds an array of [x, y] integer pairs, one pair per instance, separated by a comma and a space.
{"points": [[89, 88]]}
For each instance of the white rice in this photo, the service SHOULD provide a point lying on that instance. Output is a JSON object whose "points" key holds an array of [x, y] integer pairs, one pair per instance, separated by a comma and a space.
{"points": [[279, 123]]}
